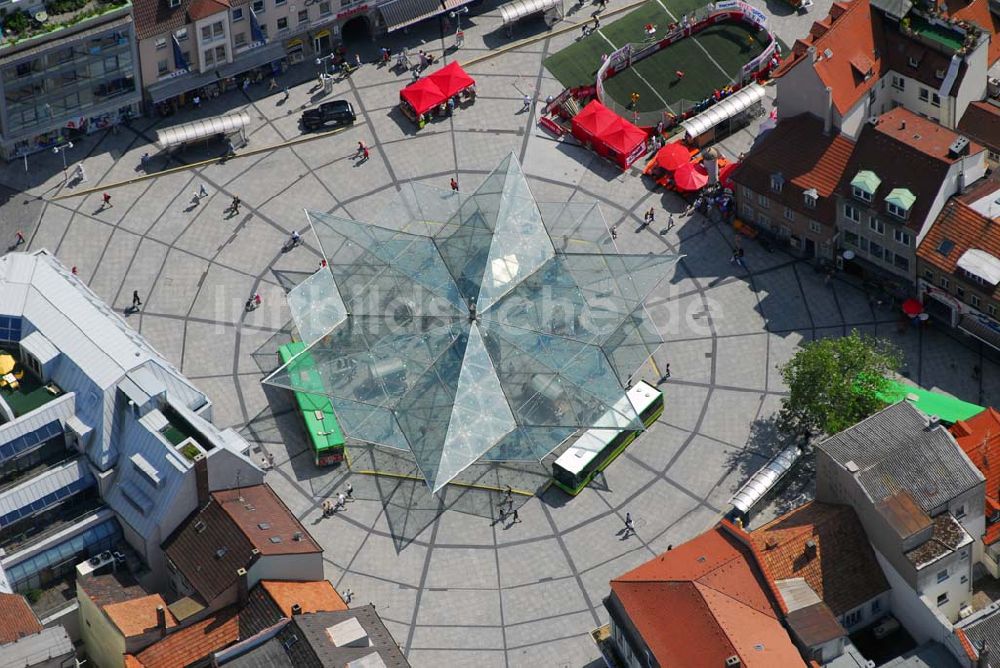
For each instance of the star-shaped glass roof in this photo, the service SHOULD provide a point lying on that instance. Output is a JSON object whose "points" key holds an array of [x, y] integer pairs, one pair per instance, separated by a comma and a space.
{"points": [[470, 330]]}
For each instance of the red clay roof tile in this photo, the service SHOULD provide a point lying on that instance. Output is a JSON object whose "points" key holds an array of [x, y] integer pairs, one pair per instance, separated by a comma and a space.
{"points": [[317, 596], [979, 438], [137, 616], [16, 618], [966, 228], [981, 121], [194, 642]]}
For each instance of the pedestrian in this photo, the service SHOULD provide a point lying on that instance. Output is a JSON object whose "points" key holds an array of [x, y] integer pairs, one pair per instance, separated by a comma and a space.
{"points": [[136, 302], [739, 259], [273, 85], [679, 74], [197, 101], [341, 501], [614, 232], [18, 238], [361, 149], [629, 526], [357, 59], [230, 148], [634, 97], [666, 370], [246, 84], [202, 192], [256, 299], [348, 595], [350, 491], [527, 103], [285, 99], [652, 215], [144, 161], [81, 176], [454, 184], [326, 507], [294, 239], [670, 222], [735, 255], [234, 206], [365, 154], [73, 270], [106, 201], [515, 519]]}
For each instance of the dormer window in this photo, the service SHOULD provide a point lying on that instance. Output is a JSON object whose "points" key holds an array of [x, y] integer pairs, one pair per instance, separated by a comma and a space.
{"points": [[174, 3], [939, 74], [899, 202], [777, 182], [864, 185], [914, 62], [810, 197]]}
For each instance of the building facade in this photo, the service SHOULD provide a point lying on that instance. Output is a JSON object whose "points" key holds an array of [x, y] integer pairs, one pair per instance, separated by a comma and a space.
{"points": [[81, 78]]}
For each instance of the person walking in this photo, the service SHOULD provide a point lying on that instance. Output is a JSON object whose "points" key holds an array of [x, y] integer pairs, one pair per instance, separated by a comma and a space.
{"points": [[341, 501], [285, 99], [234, 206], [106, 201], [666, 370], [454, 184], [739, 259], [614, 232], [81, 176], [527, 103], [350, 491], [144, 161], [273, 85], [294, 239], [197, 101], [246, 84], [365, 154], [629, 526], [136, 302], [515, 519], [652, 215], [361, 149], [18, 238], [202, 192], [670, 222]]}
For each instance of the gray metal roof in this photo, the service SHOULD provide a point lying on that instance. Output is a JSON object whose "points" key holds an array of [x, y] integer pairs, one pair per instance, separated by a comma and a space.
{"points": [[895, 450], [929, 655], [984, 626], [41, 485], [51, 643], [894, 8], [39, 346]]}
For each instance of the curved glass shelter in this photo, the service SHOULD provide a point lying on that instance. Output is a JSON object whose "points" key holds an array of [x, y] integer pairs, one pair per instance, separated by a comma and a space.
{"points": [[473, 327]]}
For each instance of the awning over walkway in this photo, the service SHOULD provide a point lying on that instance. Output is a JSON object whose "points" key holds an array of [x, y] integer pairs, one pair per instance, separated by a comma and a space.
{"points": [[401, 13], [248, 60], [722, 111], [202, 129], [764, 480], [517, 10], [975, 327]]}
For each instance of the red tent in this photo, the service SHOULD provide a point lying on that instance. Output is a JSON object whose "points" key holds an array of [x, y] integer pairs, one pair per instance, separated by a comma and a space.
{"points": [[593, 121], [451, 79], [691, 176], [423, 95], [625, 142], [726, 174], [673, 156]]}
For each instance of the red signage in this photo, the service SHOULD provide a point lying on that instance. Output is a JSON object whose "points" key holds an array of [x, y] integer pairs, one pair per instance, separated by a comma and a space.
{"points": [[352, 12]]}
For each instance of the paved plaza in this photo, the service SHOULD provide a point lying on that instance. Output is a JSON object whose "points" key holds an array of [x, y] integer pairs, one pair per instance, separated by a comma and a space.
{"points": [[461, 590]]}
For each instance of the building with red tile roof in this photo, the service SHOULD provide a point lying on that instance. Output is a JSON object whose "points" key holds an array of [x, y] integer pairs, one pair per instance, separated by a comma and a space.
{"points": [[700, 604], [17, 619], [192, 643], [981, 122], [979, 438], [826, 545], [979, 13], [787, 183]]}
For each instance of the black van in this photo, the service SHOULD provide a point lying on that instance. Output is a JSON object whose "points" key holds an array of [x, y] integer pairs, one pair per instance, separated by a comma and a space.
{"points": [[329, 114]]}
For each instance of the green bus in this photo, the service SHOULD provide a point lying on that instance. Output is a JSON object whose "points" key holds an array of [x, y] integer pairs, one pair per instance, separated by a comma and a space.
{"points": [[596, 448], [316, 410]]}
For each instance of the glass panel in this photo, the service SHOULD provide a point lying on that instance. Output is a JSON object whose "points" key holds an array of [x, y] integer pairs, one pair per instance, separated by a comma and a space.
{"points": [[316, 306]]}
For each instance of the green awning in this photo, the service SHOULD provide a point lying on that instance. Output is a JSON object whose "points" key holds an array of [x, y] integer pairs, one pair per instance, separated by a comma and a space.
{"points": [[866, 181], [946, 407], [901, 198]]}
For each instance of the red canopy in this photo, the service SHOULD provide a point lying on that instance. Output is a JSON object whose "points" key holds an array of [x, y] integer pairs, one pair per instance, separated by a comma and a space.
{"points": [[423, 95], [691, 176], [594, 120], [726, 174], [624, 137], [673, 156], [451, 79]]}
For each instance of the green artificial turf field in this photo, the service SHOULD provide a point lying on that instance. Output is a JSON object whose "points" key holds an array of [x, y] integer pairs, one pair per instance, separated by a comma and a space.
{"points": [[709, 60]]}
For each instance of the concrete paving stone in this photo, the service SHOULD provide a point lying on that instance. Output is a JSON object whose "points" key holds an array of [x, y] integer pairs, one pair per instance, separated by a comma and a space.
{"points": [[622, 478], [57, 221], [854, 305], [257, 244], [141, 274], [681, 317], [340, 540], [459, 659], [459, 607], [742, 361], [469, 638], [561, 626], [683, 404], [104, 276], [226, 414], [781, 300], [345, 179], [379, 558], [702, 463], [684, 528], [531, 562], [566, 653], [597, 579], [734, 308], [392, 600], [658, 505], [162, 334], [602, 539], [534, 523], [209, 349], [732, 423], [462, 567], [465, 529], [781, 347], [574, 510], [540, 601], [656, 446], [480, 151], [84, 242], [820, 298], [179, 278]]}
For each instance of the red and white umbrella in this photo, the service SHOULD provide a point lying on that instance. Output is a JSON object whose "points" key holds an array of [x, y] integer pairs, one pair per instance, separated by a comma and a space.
{"points": [[913, 307]]}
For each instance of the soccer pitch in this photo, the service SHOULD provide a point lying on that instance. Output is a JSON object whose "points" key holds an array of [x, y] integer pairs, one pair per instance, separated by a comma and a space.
{"points": [[711, 59]]}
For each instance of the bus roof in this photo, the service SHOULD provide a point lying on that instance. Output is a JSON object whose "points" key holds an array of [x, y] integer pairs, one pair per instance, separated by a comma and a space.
{"points": [[591, 442]]}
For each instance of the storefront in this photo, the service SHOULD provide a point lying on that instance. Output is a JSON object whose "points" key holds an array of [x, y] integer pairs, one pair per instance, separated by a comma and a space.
{"points": [[950, 310], [260, 64]]}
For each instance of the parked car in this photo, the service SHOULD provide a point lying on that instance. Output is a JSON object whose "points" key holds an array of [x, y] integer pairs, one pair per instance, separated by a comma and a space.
{"points": [[886, 626], [329, 114]]}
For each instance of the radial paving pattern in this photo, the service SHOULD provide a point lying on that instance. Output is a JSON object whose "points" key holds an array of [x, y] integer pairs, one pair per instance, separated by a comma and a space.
{"points": [[465, 590]]}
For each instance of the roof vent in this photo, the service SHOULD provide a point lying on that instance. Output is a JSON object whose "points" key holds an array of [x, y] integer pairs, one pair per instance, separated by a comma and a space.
{"points": [[902, 125], [297, 536], [275, 539], [852, 467], [733, 661], [810, 546], [933, 421], [199, 526], [828, 53], [221, 552], [959, 147], [770, 544], [289, 641], [264, 526], [296, 609]]}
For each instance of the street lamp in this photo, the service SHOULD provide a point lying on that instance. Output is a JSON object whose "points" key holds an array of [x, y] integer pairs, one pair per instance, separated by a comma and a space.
{"points": [[457, 15], [61, 150], [325, 61]]}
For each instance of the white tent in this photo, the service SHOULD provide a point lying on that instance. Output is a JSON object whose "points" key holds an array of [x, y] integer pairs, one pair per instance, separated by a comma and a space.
{"points": [[203, 129], [738, 102], [517, 10]]}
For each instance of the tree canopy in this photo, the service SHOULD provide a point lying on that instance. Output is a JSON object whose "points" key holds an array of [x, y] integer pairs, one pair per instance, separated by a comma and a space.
{"points": [[834, 383]]}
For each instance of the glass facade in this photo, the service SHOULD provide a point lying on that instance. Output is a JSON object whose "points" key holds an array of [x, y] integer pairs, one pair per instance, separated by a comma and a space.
{"points": [[484, 327], [40, 570], [31, 440], [63, 87], [47, 501], [10, 328]]}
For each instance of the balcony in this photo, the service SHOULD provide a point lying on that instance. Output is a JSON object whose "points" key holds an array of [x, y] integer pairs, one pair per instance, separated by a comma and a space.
{"points": [[29, 393], [944, 35], [19, 26]]}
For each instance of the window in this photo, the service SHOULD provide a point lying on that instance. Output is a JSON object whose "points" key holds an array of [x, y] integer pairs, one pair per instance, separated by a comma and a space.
{"points": [[924, 94], [206, 33], [944, 283], [257, 7], [928, 275], [935, 100], [815, 227], [876, 606], [899, 83], [777, 182], [875, 250], [851, 213], [161, 43], [960, 292], [913, 62], [181, 34], [992, 310], [942, 599], [902, 237], [747, 211], [974, 300], [237, 14], [899, 212], [283, 23], [860, 194], [220, 54], [209, 57], [161, 66], [852, 618], [972, 278], [324, 9], [304, 16], [901, 262], [217, 30], [789, 214], [960, 512], [174, 3], [939, 74], [747, 193], [942, 576], [876, 225], [810, 198], [763, 221], [240, 40], [763, 202], [278, 3], [345, 3], [850, 238]]}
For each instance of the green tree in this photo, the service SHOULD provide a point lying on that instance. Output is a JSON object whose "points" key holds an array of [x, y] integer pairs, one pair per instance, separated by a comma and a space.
{"points": [[835, 383]]}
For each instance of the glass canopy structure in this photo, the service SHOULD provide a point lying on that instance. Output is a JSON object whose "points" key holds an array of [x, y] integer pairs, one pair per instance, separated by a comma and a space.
{"points": [[473, 327]]}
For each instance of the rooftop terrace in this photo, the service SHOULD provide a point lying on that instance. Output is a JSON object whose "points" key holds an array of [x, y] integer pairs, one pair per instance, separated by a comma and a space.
{"points": [[29, 393]]}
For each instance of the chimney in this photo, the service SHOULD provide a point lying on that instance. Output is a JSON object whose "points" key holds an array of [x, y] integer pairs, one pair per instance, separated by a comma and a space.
{"points": [[902, 125], [296, 609], [828, 116], [932, 422], [810, 547], [984, 656], [243, 586], [161, 620], [201, 478]]}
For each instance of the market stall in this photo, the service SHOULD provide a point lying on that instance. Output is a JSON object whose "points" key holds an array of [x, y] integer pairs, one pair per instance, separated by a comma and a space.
{"points": [[609, 134], [437, 94]]}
